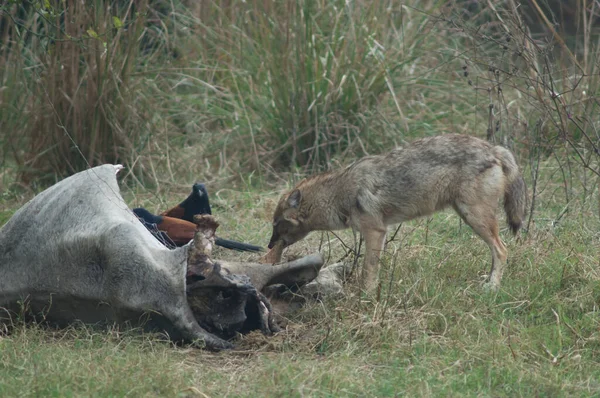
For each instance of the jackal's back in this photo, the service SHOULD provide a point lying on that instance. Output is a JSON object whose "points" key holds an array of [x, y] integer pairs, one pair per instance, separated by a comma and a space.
{"points": [[425, 176]]}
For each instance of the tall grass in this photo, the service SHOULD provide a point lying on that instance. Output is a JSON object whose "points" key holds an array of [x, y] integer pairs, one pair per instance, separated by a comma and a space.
{"points": [[184, 89], [298, 83], [315, 73], [536, 94], [70, 102]]}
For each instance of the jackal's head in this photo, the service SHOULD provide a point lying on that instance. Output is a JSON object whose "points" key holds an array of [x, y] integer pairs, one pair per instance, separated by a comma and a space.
{"points": [[288, 223]]}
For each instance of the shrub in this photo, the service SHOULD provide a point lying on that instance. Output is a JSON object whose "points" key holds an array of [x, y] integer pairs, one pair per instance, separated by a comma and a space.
{"points": [[67, 68]]}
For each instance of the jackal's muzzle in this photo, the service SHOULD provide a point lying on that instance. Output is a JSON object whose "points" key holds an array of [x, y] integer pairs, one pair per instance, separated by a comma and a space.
{"points": [[274, 239]]}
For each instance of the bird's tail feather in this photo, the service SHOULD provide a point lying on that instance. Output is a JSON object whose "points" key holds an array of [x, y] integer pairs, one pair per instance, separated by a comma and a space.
{"points": [[239, 246]]}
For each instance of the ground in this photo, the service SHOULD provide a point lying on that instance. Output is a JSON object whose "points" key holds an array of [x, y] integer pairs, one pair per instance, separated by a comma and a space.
{"points": [[434, 332]]}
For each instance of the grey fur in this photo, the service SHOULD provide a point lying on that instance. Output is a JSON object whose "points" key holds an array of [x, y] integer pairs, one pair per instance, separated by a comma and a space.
{"points": [[113, 259]]}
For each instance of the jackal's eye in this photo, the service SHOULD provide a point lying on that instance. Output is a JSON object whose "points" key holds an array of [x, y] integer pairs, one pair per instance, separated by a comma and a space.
{"points": [[283, 225]]}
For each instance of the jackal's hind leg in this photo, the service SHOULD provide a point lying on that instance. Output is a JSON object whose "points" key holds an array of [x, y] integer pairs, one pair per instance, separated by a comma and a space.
{"points": [[374, 241], [482, 219]]}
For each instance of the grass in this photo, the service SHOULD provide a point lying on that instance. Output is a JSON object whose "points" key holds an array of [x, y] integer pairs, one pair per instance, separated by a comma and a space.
{"points": [[435, 332]]}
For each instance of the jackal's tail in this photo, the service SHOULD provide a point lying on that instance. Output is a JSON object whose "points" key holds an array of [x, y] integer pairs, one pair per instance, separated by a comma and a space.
{"points": [[515, 191]]}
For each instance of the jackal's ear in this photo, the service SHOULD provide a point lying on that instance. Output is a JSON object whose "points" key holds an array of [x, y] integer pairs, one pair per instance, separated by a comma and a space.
{"points": [[294, 198]]}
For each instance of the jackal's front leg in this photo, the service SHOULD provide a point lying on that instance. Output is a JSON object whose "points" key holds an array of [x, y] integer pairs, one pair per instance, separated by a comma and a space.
{"points": [[374, 241]]}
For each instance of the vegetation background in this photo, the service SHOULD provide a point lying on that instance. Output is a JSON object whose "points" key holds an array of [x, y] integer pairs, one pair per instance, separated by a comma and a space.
{"points": [[251, 95]]}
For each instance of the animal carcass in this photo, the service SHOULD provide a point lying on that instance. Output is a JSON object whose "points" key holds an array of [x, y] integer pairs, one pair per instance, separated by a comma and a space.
{"points": [[77, 252]]}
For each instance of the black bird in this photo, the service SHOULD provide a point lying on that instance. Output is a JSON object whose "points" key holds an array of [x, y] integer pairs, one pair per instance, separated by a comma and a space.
{"points": [[151, 222], [196, 203], [174, 227]]}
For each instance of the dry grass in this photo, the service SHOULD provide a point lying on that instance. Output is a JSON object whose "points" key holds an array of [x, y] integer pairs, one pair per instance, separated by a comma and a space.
{"points": [[434, 332], [71, 100]]}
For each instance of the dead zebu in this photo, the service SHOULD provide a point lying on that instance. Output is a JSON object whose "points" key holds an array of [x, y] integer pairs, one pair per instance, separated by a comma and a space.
{"points": [[77, 252]]}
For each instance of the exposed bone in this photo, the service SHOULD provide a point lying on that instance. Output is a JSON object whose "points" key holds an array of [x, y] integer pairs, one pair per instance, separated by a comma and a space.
{"points": [[297, 272], [274, 255], [199, 263], [204, 239]]}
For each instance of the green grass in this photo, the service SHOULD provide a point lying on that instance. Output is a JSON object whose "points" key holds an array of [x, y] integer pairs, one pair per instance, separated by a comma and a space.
{"points": [[435, 332]]}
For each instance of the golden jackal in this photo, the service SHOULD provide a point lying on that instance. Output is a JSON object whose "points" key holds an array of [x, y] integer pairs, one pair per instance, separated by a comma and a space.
{"points": [[428, 175]]}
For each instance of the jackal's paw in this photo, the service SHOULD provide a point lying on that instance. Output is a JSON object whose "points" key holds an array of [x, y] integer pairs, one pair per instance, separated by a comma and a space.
{"points": [[490, 287], [369, 287]]}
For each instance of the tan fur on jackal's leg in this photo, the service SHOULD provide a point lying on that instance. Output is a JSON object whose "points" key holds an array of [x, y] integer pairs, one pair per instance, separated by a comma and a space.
{"points": [[499, 254], [374, 241], [482, 219]]}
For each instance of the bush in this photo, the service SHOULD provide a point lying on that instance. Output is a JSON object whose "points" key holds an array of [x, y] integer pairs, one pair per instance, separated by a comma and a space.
{"points": [[70, 99], [300, 82]]}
